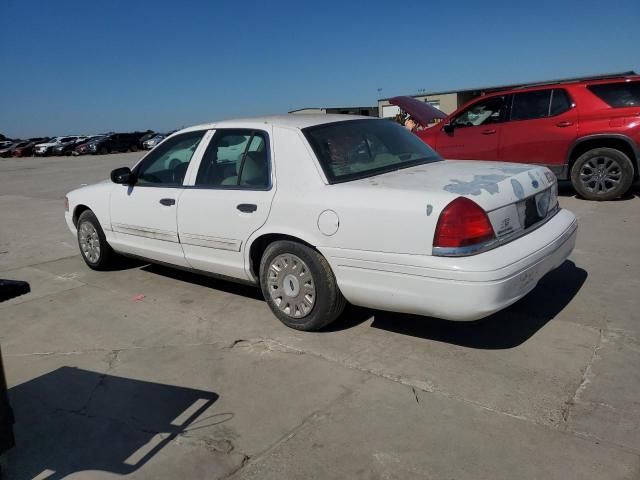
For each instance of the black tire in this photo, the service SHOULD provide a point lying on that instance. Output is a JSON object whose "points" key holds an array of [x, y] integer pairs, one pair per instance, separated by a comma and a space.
{"points": [[107, 257], [103, 151], [133, 148], [614, 163], [329, 301]]}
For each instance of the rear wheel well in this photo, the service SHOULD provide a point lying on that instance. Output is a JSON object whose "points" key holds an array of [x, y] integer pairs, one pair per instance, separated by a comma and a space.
{"points": [[615, 143], [261, 243], [77, 212]]}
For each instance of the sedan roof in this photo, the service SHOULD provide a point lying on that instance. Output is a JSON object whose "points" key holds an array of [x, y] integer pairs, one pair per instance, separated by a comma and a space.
{"points": [[298, 121]]}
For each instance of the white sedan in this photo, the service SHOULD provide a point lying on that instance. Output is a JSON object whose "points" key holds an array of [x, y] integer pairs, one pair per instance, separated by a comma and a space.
{"points": [[319, 210]]}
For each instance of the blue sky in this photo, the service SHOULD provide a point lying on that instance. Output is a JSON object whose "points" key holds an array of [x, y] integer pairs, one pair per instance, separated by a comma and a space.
{"points": [[89, 66]]}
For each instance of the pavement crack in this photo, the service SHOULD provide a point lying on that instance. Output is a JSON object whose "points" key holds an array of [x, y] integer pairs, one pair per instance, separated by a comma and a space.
{"points": [[314, 416], [415, 394], [585, 379]]}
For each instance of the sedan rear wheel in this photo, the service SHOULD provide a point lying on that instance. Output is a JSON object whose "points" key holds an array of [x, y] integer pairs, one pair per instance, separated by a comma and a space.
{"points": [[291, 285], [299, 286]]}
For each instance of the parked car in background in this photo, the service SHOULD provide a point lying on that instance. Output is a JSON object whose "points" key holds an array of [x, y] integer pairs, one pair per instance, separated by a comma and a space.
{"points": [[6, 143], [7, 151], [115, 142], [148, 135], [153, 141], [585, 131], [65, 148], [318, 210], [27, 149], [83, 147], [45, 149]]}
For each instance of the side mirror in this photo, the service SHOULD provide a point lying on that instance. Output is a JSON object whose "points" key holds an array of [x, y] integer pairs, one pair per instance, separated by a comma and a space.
{"points": [[448, 128], [123, 176]]}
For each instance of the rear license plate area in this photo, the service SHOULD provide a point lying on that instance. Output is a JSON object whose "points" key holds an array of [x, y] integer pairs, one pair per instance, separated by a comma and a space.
{"points": [[533, 209]]}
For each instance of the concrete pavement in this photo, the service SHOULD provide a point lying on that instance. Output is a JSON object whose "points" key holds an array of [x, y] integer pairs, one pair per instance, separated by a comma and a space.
{"points": [[147, 372]]}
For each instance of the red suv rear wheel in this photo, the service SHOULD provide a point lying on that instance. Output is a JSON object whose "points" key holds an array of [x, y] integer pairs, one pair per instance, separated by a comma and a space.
{"points": [[602, 174]]}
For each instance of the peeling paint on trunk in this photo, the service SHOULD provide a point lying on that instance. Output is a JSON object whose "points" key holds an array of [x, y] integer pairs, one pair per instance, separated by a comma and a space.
{"points": [[475, 186]]}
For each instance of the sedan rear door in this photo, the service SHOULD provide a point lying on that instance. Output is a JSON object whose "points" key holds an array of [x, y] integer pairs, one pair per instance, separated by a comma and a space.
{"points": [[228, 198]]}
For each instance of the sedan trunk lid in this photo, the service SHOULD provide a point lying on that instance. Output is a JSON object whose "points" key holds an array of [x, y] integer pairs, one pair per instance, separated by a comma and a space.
{"points": [[516, 197]]}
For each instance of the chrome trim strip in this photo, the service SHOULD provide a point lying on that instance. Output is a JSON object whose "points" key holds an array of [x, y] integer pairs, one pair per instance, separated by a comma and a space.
{"points": [[491, 244], [210, 242], [156, 234]]}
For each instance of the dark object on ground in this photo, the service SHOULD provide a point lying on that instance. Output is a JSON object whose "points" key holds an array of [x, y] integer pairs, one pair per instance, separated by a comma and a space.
{"points": [[12, 288], [8, 289], [6, 414]]}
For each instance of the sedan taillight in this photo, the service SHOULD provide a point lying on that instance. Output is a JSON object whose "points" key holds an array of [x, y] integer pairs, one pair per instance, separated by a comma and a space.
{"points": [[462, 223]]}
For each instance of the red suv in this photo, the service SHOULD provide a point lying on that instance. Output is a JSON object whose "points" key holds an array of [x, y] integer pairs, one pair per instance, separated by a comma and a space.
{"points": [[586, 131]]}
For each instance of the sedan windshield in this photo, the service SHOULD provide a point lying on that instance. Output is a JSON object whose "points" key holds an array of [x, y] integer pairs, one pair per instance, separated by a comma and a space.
{"points": [[363, 148]]}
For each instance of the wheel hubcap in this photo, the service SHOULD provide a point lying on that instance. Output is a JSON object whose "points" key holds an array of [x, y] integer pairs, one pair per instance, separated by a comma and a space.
{"points": [[291, 285], [600, 175], [89, 242]]}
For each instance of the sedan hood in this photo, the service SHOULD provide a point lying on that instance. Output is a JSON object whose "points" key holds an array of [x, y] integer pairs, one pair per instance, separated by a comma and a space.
{"points": [[421, 111]]}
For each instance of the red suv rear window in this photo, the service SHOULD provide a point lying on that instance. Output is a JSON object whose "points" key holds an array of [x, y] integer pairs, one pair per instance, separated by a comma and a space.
{"points": [[622, 94]]}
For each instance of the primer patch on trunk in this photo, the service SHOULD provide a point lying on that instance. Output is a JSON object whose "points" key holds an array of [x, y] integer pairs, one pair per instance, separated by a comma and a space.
{"points": [[475, 186], [518, 189]]}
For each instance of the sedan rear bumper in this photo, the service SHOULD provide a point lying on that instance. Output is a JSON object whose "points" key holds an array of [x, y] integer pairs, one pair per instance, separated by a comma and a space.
{"points": [[472, 288]]}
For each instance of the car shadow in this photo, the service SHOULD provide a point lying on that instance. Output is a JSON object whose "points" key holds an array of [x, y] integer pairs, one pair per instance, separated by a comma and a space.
{"points": [[73, 420], [506, 329], [250, 291]]}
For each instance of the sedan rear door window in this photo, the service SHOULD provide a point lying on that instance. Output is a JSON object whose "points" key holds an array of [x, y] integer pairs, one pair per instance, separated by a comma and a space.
{"points": [[235, 159]]}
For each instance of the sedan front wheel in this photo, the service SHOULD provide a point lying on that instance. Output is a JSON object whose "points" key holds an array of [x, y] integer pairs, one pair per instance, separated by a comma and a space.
{"points": [[299, 286], [95, 250]]}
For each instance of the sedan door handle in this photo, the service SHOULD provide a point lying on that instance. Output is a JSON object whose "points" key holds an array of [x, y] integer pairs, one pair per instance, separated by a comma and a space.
{"points": [[167, 202], [564, 123], [247, 207], [489, 131]]}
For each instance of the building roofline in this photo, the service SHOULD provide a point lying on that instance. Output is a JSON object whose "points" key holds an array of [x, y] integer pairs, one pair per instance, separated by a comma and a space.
{"points": [[523, 85]]}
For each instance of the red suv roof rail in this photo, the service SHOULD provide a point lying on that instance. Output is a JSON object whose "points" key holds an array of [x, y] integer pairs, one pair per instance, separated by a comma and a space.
{"points": [[610, 76]]}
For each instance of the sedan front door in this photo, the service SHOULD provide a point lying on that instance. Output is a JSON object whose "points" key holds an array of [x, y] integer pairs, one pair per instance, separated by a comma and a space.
{"points": [[143, 215], [229, 199]]}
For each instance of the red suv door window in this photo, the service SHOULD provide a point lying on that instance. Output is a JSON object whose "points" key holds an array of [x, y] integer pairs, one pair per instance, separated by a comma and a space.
{"points": [[474, 133], [542, 125]]}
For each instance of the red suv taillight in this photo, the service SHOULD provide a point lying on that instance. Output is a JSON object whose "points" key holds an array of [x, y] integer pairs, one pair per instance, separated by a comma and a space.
{"points": [[463, 223]]}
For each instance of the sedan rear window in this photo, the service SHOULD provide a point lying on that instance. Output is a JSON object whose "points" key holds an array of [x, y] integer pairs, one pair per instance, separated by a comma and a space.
{"points": [[363, 148], [622, 94]]}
